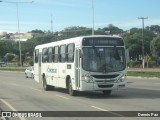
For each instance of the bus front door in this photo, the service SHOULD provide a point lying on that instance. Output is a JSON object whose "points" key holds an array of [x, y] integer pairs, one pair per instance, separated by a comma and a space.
{"points": [[39, 67], [77, 61]]}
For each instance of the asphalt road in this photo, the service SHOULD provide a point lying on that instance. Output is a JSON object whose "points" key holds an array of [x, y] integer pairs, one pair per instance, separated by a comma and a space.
{"points": [[18, 93]]}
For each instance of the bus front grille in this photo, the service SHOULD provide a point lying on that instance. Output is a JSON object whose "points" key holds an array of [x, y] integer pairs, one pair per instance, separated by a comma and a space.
{"points": [[105, 86], [105, 76], [105, 81]]}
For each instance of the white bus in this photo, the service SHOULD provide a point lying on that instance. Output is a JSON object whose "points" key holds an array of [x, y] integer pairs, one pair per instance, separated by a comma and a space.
{"points": [[88, 63]]}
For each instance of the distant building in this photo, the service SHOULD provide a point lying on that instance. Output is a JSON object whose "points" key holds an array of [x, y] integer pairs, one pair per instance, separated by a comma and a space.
{"points": [[15, 36], [3, 33]]}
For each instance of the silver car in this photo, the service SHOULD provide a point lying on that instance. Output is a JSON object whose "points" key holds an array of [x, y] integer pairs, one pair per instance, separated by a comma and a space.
{"points": [[29, 72]]}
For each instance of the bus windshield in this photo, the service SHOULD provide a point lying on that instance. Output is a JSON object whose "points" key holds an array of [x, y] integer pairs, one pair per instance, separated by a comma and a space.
{"points": [[103, 59]]}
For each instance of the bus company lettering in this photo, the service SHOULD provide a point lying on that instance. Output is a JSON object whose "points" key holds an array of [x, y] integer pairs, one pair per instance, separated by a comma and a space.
{"points": [[52, 70]]}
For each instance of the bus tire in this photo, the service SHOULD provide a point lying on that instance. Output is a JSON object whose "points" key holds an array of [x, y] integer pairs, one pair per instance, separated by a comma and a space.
{"points": [[32, 76], [26, 75], [70, 89], [45, 86], [106, 92]]}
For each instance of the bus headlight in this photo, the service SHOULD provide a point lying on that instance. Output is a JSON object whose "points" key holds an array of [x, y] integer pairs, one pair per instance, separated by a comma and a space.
{"points": [[122, 79], [87, 78]]}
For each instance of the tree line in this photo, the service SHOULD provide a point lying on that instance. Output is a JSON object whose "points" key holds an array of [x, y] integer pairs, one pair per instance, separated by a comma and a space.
{"points": [[9, 50]]}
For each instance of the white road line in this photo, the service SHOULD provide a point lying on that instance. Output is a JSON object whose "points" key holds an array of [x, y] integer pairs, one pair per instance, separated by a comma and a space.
{"points": [[61, 96], [55, 94], [99, 108], [37, 90], [15, 84], [107, 111], [11, 107]]}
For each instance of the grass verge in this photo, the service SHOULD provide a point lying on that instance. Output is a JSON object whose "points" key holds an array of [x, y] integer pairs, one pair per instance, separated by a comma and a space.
{"points": [[21, 69], [143, 74]]}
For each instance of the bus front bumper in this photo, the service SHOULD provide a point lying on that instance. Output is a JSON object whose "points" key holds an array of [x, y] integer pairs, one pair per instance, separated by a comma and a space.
{"points": [[100, 87]]}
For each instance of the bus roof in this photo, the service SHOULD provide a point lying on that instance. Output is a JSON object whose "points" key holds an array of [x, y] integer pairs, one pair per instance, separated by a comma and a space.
{"points": [[72, 40]]}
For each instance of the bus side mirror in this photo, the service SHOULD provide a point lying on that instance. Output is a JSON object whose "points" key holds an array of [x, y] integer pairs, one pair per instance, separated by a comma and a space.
{"points": [[127, 56]]}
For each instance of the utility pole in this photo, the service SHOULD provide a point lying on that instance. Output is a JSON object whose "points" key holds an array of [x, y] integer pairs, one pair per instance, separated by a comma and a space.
{"points": [[51, 24], [93, 16], [143, 51]]}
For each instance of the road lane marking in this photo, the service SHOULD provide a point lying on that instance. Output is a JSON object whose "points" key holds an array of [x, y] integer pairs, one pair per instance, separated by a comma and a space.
{"points": [[99, 108], [61, 96], [11, 107], [55, 94], [15, 84], [116, 114], [37, 90]]}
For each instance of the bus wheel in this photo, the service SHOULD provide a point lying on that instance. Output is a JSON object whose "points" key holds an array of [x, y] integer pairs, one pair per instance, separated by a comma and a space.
{"points": [[106, 92], [32, 76], [70, 90], [45, 86], [26, 75]]}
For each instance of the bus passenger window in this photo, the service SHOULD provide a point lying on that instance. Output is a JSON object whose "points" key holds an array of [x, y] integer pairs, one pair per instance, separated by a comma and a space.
{"points": [[56, 54], [50, 54], [45, 55], [70, 53], [36, 56], [62, 53]]}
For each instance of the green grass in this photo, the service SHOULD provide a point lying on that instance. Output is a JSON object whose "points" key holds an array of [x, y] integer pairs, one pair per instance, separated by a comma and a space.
{"points": [[143, 74], [22, 69]]}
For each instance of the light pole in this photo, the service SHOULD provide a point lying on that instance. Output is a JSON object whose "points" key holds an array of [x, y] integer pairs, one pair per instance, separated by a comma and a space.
{"points": [[93, 16], [143, 61], [20, 54]]}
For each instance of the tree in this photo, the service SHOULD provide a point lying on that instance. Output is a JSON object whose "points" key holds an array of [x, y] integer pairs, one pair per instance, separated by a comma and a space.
{"points": [[9, 56], [5, 47], [155, 49], [133, 41], [112, 29], [37, 31], [74, 31], [155, 29]]}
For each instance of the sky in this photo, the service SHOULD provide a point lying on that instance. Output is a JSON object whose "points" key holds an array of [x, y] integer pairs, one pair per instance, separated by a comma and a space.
{"points": [[67, 13]]}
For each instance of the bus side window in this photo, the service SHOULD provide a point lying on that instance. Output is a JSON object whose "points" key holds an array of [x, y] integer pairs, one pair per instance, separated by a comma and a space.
{"points": [[45, 55], [53, 48], [62, 53], [50, 54], [36, 56], [70, 53], [56, 54]]}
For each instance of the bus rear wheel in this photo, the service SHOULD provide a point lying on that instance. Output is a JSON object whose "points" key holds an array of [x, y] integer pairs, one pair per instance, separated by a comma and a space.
{"points": [[106, 92], [45, 86], [70, 89]]}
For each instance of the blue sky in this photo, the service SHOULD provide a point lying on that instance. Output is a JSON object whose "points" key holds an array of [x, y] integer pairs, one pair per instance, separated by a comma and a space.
{"points": [[67, 13]]}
